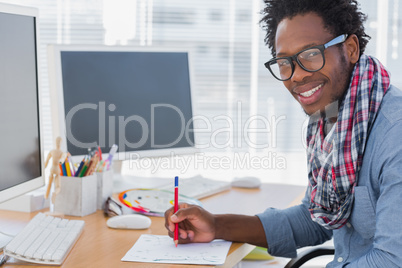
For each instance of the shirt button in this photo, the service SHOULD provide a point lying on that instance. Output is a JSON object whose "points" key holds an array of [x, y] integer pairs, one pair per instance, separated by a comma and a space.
{"points": [[348, 225], [340, 259]]}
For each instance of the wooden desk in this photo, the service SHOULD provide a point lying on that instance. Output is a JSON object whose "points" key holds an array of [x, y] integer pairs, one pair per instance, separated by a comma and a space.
{"points": [[100, 246]]}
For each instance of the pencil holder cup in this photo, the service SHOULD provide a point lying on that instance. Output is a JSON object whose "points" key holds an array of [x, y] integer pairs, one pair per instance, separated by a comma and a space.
{"points": [[104, 187], [77, 196]]}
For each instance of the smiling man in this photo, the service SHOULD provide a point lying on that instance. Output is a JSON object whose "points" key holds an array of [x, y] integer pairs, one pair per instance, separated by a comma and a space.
{"points": [[354, 152]]}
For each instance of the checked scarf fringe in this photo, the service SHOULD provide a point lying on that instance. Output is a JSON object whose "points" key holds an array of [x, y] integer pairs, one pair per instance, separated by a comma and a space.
{"points": [[334, 161]]}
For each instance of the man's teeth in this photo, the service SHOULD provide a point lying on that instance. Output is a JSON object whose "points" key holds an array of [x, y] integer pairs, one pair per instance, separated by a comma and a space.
{"points": [[310, 92]]}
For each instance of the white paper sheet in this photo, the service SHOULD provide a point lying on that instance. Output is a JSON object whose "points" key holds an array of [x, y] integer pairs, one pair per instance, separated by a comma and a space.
{"points": [[161, 249]]}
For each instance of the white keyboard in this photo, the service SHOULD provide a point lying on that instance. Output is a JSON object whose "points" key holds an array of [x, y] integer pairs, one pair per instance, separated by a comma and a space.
{"points": [[45, 240], [199, 187]]}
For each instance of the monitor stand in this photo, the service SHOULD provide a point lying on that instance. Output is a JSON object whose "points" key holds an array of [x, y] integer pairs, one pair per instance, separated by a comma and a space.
{"points": [[29, 202]]}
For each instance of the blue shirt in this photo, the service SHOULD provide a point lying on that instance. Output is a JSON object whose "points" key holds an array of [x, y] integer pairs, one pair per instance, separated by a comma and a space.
{"points": [[372, 236]]}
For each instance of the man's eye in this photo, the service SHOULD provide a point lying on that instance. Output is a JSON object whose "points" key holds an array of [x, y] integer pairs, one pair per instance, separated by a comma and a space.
{"points": [[313, 54], [283, 64], [310, 54]]}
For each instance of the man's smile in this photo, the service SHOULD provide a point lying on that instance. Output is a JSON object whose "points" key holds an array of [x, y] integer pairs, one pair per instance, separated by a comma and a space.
{"points": [[307, 94]]}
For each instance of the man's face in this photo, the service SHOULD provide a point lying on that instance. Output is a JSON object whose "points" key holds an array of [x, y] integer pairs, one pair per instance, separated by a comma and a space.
{"points": [[313, 90]]}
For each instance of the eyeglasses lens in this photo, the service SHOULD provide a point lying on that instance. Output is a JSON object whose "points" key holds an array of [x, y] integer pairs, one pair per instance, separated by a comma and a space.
{"points": [[311, 60], [281, 68]]}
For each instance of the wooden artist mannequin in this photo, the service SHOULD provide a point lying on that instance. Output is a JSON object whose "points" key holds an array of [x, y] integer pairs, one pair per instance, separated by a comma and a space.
{"points": [[58, 157]]}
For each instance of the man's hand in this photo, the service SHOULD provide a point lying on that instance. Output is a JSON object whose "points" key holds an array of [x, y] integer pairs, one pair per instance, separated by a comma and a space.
{"points": [[198, 225], [195, 224]]}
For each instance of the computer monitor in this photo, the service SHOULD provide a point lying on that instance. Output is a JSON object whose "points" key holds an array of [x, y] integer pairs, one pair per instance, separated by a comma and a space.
{"points": [[136, 97], [21, 146], [21, 165]]}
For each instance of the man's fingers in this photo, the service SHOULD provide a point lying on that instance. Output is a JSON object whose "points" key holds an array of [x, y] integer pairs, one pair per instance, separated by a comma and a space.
{"points": [[185, 212], [171, 227], [185, 236], [183, 216], [168, 223], [171, 234], [182, 234]]}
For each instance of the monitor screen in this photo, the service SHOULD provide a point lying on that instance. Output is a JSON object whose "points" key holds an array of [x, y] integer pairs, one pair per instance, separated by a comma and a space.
{"points": [[20, 143], [139, 100]]}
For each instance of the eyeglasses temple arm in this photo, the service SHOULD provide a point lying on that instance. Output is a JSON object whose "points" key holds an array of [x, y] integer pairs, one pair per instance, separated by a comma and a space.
{"points": [[336, 40]]}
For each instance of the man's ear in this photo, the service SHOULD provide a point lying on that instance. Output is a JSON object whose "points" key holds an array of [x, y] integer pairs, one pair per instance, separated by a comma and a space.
{"points": [[352, 48]]}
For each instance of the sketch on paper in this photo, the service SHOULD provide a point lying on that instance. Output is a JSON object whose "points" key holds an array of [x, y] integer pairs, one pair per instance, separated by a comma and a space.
{"points": [[161, 249]]}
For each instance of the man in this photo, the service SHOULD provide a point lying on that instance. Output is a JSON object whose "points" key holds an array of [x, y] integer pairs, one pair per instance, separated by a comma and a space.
{"points": [[354, 149]]}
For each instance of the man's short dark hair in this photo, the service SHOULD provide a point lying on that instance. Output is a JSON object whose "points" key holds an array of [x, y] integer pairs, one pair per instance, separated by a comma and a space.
{"points": [[339, 16]]}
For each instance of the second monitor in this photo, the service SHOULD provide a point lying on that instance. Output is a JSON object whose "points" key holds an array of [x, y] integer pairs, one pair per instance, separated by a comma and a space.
{"points": [[138, 99]]}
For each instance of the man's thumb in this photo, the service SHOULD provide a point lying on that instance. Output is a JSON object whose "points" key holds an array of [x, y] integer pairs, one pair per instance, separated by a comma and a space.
{"points": [[174, 218]]}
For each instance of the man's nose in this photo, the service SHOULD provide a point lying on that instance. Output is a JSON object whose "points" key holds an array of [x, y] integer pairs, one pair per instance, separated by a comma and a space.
{"points": [[299, 74]]}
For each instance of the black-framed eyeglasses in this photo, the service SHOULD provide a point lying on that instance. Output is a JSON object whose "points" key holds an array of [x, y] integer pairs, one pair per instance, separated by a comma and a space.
{"points": [[310, 59]]}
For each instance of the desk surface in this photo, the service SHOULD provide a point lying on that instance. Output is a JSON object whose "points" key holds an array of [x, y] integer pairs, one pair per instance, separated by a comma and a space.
{"points": [[100, 246]]}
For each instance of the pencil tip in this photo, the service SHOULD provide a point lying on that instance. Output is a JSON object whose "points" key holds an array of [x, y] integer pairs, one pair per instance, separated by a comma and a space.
{"points": [[176, 242]]}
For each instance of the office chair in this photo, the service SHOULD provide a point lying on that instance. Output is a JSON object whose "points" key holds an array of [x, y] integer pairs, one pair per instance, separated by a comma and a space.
{"points": [[309, 254]]}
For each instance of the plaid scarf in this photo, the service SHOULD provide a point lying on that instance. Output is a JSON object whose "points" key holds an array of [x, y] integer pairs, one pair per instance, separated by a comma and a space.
{"points": [[334, 160]]}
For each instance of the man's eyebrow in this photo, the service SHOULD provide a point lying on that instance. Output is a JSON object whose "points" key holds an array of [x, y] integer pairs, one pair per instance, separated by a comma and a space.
{"points": [[302, 48]]}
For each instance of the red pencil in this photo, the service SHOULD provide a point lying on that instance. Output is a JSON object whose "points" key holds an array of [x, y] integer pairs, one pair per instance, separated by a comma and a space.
{"points": [[176, 207]]}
